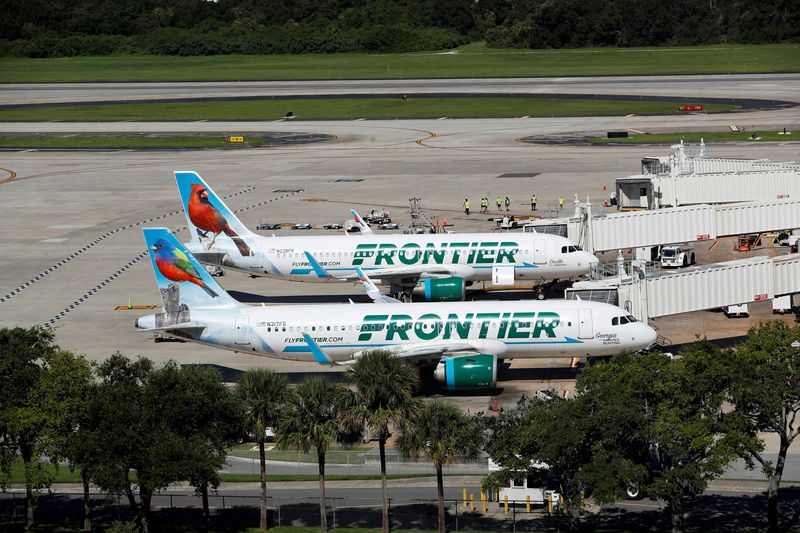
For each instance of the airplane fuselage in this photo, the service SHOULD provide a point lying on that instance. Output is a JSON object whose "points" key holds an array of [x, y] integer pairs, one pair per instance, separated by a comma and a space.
{"points": [[508, 330], [472, 256]]}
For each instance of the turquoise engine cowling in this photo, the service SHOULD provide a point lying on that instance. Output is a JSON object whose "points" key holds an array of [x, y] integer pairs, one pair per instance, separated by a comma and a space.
{"points": [[441, 290], [467, 372]]}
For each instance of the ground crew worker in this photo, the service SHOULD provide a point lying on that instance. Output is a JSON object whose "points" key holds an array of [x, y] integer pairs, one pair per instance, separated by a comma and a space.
{"points": [[560, 202], [499, 203], [533, 202], [508, 203], [483, 204], [466, 206]]}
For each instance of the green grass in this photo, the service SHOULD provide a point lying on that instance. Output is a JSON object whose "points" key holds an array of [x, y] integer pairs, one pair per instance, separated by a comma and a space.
{"points": [[63, 474], [474, 60], [126, 141], [372, 108], [692, 137], [341, 456]]}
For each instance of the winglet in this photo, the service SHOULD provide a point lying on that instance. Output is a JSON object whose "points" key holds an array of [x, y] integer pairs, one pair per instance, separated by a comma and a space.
{"points": [[317, 352], [318, 270], [372, 291], [364, 226]]}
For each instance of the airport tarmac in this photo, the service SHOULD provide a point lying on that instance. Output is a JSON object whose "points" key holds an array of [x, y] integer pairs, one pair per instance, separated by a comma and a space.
{"points": [[73, 250]]}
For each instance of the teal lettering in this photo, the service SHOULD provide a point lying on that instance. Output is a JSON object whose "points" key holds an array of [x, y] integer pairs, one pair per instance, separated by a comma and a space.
{"points": [[434, 321], [457, 253], [519, 321], [385, 254], [507, 252], [363, 251], [486, 317], [486, 253], [461, 328], [367, 329], [409, 254], [501, 333], [398, 325], [431, 251], [546, 322]]}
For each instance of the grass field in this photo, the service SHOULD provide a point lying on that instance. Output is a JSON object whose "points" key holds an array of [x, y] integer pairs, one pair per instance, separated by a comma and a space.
{"points": [[707, 136], [126, 141], [347, 108], [473, 60]]}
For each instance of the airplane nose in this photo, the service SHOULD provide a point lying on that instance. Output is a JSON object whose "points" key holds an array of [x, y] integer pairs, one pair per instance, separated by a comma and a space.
{"points": [[649, 335]]}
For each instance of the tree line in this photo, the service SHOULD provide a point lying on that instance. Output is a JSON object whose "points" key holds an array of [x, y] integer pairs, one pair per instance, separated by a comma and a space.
{"points": [[128, 426], [54, 28], [664, 426]]}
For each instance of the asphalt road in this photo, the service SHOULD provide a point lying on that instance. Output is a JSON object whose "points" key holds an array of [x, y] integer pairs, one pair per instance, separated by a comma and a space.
{"points": [[760, 86]]}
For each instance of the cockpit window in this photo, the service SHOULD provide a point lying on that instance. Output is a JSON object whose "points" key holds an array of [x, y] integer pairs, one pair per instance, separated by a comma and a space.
{"points": [[578, 248], [631, 319], [570, 249], [621, 320], [615, 321]]}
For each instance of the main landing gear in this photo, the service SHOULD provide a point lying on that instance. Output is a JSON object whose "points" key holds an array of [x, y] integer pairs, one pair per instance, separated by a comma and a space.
{"points": [[542, 290]]}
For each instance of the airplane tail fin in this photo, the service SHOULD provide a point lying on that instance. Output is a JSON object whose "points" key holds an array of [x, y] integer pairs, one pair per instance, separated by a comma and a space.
{"points": [[208, 217], [361, 222], [183, 282]]}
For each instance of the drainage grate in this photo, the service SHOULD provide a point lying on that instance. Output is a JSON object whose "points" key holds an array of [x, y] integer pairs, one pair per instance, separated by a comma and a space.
{"points": [[291, 191], [519, 175], [348, 180]]}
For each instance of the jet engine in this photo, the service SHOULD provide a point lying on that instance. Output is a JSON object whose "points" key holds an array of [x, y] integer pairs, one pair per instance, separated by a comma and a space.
{"points": [[467, 372], [440, 290]]}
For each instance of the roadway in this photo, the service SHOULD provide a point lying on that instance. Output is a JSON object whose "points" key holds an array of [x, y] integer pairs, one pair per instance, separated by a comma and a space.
{"points": [[747, 86]]}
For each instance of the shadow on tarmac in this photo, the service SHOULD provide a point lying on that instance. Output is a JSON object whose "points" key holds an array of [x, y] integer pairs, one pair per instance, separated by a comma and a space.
{"points": [[712, 512]]}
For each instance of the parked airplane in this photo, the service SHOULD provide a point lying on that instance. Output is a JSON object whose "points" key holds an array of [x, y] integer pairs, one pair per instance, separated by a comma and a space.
{"points": [[459, 341], [437, 266]]}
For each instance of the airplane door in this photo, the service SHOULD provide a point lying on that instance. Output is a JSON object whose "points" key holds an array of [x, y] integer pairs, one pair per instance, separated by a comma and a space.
{"points": [[539, 252], [585, 330], [242, 333]]}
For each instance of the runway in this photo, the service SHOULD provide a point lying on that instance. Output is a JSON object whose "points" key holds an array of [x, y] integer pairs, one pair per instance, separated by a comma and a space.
{"points": [[759, 86]]}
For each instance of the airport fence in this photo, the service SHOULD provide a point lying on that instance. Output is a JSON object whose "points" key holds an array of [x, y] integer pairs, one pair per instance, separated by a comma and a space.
{"points": [[231, 510]]}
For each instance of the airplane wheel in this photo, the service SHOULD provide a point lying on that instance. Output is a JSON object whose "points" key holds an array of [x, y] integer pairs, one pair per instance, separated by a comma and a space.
{"points": [[540, 295]]}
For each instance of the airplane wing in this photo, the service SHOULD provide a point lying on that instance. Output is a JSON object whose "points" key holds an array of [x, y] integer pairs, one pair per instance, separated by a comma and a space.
{"points": [[372, 291], [183, 327], [386, 274], [418, 353]]}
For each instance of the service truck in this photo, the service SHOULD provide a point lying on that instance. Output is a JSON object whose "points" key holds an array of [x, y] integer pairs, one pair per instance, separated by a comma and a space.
{"points": [[677, 255], [524, 487]]}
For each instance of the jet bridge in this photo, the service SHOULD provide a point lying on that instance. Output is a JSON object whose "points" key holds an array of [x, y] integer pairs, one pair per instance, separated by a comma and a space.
{"points": [[687, 176], [648, 295], [638, 229]]}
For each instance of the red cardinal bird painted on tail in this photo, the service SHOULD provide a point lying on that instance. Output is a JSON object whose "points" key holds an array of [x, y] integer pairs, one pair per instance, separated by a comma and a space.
{"points": [[208, 218]]}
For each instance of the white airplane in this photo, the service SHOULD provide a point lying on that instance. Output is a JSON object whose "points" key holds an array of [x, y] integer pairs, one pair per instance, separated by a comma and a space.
{"points": [[459, 341], [437, 266]]}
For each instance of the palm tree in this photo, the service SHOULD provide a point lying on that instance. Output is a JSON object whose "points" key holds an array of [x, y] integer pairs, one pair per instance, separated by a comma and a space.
{"points": [[311, 420], [384, 395], [443, 435], [263, 394]]}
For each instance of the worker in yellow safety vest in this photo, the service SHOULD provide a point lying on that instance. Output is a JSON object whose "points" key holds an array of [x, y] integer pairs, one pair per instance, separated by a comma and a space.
{"points": [[466, 206]]}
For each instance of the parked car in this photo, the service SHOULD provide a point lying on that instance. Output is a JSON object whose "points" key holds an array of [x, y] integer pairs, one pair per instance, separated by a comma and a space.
{"points": [[389, 225], [214, 270], [332, 225], [302, 225], [268, 225]]}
